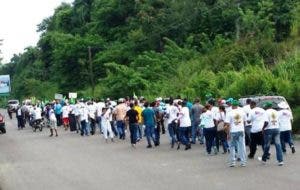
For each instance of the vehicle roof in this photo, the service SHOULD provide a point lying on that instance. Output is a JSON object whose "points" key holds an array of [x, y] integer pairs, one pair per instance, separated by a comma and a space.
{"points": [[9, 101]]}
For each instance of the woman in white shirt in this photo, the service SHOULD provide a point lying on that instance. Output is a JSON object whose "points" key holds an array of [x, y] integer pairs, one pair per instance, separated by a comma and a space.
{"points": [[221, 134], [209, 130], [185, 124]]}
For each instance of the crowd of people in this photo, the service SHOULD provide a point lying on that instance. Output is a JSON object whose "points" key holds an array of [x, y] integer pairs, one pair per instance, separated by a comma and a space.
{"points": [[218, 123]]}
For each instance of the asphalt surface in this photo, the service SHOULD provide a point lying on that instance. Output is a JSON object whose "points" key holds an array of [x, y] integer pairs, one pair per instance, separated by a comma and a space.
{"points": [[34, 161]]}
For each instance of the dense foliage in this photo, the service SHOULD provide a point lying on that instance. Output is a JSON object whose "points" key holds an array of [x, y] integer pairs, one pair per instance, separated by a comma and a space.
{"points": [[163, 47]]}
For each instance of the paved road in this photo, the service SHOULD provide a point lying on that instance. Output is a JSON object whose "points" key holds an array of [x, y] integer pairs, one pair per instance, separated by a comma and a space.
{"points": [[34, 161]]}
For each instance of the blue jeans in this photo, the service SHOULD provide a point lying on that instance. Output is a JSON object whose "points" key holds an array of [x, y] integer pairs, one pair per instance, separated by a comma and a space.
{"points": [[149, 130], [140, 131], [121, 129], [133, 127], [184, 135], [286, 137], [269, 135], [99, 123], [195, 129], [172, 129], [210, 135], [84, 128], [157, 135], [237, 139]]}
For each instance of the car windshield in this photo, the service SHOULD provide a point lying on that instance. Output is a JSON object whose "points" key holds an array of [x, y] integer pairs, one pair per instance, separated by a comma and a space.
{"points": [[274, 100], [13, 102]]}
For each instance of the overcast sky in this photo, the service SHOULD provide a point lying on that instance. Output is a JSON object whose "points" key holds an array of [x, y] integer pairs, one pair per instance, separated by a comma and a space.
{"points": [[18, 23]]}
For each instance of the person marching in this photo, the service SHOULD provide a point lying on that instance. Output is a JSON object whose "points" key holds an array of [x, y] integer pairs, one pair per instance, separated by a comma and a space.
{"points": [[271, 132], [20, 117], [257, 117], [149, 120], [184, 124], [53, 122], [132, 116], [209, 130], [235, 122], [171, 114], [285, 124], [106, 125]]}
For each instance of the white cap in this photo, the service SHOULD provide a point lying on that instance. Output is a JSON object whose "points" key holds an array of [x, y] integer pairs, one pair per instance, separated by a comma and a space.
{"points": [[283, 105]]}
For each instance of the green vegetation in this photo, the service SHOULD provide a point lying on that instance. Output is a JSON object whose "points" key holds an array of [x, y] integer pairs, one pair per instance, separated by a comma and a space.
{"points": [[164, 47]]}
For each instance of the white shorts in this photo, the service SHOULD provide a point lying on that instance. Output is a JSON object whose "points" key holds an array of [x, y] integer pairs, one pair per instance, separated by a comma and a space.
{"points": [[53, 124]]}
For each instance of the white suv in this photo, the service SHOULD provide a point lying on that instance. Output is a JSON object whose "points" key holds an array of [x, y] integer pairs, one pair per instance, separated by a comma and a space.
{"points": [[261, 100]]}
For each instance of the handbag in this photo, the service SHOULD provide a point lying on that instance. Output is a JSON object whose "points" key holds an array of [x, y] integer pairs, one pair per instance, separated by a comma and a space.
{"points": [[221, 124]]}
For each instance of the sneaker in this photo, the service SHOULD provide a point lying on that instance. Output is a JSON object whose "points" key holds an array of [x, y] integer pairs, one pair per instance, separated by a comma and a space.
{"points": [[280, 163], [243, 165], [232, 165], [293, 150], [149, 146], [250, 156], [261, 160], [56, 135], [208, 154], [51, 135]]}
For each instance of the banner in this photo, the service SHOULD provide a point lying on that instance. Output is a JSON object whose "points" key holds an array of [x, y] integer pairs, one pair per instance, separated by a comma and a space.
{"points": [[4, 84], [58, 97], [72, 95]]}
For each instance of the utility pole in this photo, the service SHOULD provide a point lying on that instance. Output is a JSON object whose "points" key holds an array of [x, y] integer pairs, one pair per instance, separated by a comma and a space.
{"points": [[91, 72]]}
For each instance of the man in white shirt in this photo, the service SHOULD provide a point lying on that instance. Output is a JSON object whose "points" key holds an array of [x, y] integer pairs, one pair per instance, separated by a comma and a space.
{"points": [[285, 124], [99, 106], [171, 115], [271, 131], [235, 121], [92, 116], [257, 116], [185, 124], [83, 110]]}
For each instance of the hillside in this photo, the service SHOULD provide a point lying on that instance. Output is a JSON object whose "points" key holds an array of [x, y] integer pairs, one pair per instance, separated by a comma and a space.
{"points": [[115, 48]]}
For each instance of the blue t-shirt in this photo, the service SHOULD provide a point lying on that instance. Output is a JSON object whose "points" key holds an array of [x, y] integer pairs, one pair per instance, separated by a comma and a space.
{"points": [[148, 116], [57, 108]]}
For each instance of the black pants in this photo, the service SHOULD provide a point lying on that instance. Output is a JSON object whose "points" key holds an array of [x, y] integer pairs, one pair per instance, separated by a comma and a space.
{"points": [[93, 125], [221, 138], [20, 122], [256, 139], [58, 119]]}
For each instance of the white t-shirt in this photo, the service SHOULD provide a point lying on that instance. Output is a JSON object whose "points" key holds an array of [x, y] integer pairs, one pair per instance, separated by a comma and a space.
{"points": [[184, 117], [83, 112], [99, 107], [220, 116], [37, 113], [65, 111], [272, 118], [207, 119], [52, 115], [228, 109], [92, 110], [285, 118], [247, 110], [215, 111], [236, 119], [172, 111], [258, 118]]}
